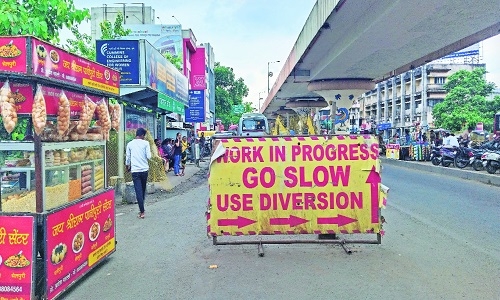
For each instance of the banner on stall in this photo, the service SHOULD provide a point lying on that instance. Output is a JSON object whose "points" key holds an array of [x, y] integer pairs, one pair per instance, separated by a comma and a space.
{"points": [[295, 185], [392, 151]]}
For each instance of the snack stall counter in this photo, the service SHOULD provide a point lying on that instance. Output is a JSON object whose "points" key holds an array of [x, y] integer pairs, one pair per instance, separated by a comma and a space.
{"points": [[57, 215]]}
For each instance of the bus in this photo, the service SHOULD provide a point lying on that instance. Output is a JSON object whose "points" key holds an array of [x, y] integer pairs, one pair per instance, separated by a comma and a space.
{"points": [[253, 124]]}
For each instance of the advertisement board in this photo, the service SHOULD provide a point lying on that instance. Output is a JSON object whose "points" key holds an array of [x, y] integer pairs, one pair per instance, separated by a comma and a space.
{"points": [[165, 38], [17, 257], [196, 110], [77, 238], [122, 56], [169, 104], [52, 62], [135, 119], [392, 151], [295, 185], [162, 76], [13, 54]]}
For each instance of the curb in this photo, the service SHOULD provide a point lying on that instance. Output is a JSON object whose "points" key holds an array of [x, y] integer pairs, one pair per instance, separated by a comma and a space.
{"points": [[491, 179]]}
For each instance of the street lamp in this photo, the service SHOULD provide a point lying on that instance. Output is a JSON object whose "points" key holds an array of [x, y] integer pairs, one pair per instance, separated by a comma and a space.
{"points": [[270, 74], [260, 98]]}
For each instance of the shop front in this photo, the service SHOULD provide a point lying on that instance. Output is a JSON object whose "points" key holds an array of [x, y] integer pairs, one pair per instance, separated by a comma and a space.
{"points": [[57, 214], [152, 90]]}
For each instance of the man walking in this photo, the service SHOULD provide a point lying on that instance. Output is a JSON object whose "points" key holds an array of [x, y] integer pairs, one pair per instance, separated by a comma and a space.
{"points": [[138, 154]]}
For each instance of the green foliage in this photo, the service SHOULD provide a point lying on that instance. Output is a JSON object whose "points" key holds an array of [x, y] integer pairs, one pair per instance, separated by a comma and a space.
{"points": [[174, 59], [83, 46], [466, 103], [40, 18], [229, 91]]}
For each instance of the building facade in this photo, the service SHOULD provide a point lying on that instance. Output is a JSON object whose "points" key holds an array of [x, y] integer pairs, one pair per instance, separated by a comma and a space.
{"points": [[132, 14], [407, 99]]}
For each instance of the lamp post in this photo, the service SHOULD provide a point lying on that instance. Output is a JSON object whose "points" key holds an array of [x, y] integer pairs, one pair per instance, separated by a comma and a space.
{"points": [[260, 98], [270, 74]]}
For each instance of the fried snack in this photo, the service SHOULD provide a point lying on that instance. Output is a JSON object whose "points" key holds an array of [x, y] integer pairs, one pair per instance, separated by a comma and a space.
{"points": [[86, 116], [78, 242], [94, 232], [104, 119], [115, 111], [9, 51], [39, 111], [17, 261], [8, 106], [63, 114], [107, 224]]}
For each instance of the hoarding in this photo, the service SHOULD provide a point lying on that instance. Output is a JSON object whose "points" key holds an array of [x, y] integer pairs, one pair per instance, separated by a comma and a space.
{"points": [[77, 238], [196, 110], [17, 257], [52, 62], [14, 57], [295, 185], [122, 56], [165, 38], [162, 76]]}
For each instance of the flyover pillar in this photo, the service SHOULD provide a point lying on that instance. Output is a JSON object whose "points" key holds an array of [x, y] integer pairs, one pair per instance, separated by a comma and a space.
{"points": [[340, 94]]}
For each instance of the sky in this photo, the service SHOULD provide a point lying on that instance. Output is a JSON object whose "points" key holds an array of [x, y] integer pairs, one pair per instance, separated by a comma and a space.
{"points": [[247, 34]]}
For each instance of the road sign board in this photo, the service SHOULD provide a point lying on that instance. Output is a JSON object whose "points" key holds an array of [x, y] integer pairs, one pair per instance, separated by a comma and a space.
{"points": [[294, 185]]}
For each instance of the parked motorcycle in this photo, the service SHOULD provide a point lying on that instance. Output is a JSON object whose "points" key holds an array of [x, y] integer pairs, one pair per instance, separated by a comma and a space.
{"points": [[436, 156], [463, 157], [477, 163], [491, 161]]}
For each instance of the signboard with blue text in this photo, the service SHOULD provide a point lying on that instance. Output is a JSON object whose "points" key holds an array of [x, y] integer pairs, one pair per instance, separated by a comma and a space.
{"points": [[196, 110], [121, 55]]}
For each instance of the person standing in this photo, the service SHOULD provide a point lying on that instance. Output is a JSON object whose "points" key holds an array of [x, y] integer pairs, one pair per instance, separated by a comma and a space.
{"points": [[177, 154], [138, 154]]}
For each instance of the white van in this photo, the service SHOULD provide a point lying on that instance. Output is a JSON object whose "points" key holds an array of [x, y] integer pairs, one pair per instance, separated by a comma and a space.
{"points": [[253, 124]]}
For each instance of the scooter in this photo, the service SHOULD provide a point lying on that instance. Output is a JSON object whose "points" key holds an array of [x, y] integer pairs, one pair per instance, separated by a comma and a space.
{"points": [[491, 161], [477, 163], [436, 156], [447, 156]]}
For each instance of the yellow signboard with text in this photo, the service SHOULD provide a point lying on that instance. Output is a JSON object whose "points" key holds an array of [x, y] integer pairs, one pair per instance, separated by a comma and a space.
{"points": [[295, 185]]}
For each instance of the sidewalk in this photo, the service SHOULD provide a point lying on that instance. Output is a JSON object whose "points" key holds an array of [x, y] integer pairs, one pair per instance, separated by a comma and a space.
{"points": [[427, 166]]}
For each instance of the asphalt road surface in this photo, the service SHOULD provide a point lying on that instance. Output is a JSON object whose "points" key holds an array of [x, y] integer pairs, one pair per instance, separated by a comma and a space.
{"points": [[442, 242]]}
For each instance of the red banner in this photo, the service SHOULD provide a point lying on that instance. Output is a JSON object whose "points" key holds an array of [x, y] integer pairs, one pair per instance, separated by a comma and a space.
{"points": [[13, 54], [78, 237], [52, 62], [16, 257]]}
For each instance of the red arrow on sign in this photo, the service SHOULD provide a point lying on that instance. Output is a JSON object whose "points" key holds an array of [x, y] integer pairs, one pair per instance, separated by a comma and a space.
{"points": [[374, 181], [292, 221], [340, 220], [240, 222]]}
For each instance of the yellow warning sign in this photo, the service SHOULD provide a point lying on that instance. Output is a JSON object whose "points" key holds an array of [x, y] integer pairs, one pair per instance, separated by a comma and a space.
{"points": [[294, 185]]}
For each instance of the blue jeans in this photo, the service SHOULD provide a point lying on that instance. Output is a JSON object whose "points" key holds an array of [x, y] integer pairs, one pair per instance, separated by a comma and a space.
{"points": [[177, 161], [140, 179]]}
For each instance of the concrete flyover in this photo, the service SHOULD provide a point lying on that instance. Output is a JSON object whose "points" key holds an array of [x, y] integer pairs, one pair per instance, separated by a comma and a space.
{"points": [[346, 46], [467, 173]]}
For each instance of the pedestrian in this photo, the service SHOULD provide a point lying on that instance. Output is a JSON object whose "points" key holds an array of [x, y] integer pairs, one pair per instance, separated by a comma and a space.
{"points": [[138, 154], [177, 154], [161, 154], [184, 156]]}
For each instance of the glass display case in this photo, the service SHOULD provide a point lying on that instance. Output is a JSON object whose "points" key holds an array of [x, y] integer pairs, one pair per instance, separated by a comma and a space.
{"points": [[70, 171]]}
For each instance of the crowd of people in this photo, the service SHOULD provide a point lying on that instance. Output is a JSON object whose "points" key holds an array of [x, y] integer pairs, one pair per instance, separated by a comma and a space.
{"points": [[177, 151]]}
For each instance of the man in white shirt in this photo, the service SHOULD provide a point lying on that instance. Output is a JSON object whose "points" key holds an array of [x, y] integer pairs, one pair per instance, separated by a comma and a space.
{"points": [[450, 141], [138, 154]]}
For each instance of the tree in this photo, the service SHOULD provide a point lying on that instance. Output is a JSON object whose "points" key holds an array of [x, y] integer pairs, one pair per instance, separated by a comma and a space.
{"points": [[229, 91], [466, 104], [40, 18], [84, 46], [174, 59]]}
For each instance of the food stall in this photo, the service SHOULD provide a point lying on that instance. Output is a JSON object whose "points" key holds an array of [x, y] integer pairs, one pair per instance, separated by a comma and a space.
{"points": [[57, 215]]}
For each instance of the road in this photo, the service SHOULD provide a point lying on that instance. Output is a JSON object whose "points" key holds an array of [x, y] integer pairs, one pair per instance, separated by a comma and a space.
{"points": [[442, 242]]}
